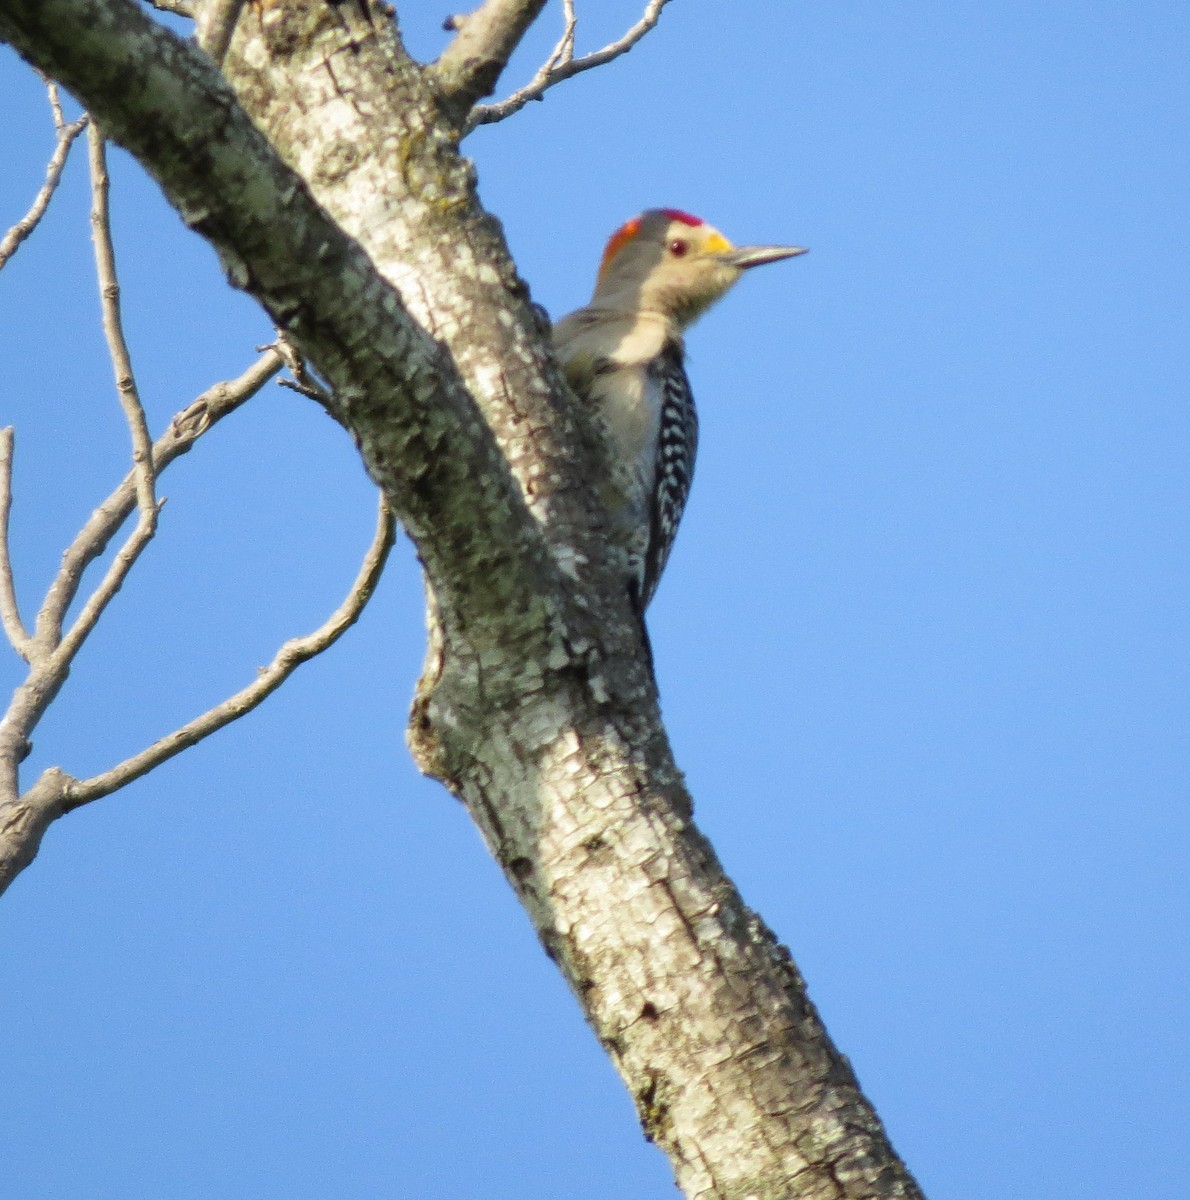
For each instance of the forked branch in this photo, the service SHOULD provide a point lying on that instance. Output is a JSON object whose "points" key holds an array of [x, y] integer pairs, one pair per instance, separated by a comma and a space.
{"points": [[184, 430], [562, 64], [50, 652], [484, 41], [50, 643], [23, 819]]}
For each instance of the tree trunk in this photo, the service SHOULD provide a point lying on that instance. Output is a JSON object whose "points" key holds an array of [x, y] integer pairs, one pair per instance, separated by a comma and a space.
{"points": [[537, 707]]}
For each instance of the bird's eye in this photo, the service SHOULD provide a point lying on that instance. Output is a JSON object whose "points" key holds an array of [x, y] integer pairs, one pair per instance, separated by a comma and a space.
{"points": [[678, 247]]}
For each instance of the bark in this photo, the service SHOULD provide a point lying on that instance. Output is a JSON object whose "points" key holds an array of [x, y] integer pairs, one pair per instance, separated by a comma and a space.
{"points": [[344, 207]]}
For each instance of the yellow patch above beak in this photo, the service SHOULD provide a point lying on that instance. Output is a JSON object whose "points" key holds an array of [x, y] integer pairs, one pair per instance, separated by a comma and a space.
{"points": [[716, 243]]}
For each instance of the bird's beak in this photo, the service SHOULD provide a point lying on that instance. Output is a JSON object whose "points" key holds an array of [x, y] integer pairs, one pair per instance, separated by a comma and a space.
{"points": [[743, 257]]}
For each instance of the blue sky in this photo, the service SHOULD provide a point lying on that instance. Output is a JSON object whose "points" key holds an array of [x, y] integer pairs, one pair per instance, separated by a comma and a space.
{"points": [[922, 644]]}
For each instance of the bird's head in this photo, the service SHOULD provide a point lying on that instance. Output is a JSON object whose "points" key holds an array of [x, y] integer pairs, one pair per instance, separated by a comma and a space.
{"points": [[668, 262]]}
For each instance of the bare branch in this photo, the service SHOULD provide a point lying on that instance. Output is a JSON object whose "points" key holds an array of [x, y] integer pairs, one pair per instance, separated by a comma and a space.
{"points": [[180, 8], [216, 26], [562, 64], [564, 50], [470, 66], [134, 413], [184, 430], [113, 330], [50, 661], [10, 613], [173, 111], [109, 585], [24, 819], [288, 658], [53, 175]]}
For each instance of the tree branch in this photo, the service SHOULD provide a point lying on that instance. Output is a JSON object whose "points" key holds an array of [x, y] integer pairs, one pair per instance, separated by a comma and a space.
{"points": [[10, 612], [55, 651], [288, 658], [185, 429], [66, 135], [113, 331], [562, 64], [473, 62], [113, 580], [23, 820], [164, 101], [179, 8]]}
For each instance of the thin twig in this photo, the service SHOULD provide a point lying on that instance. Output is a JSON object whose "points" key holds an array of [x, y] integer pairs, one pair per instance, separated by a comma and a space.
{"points": [[563, 51], [10, 612], [66, 135], [304, 381], [287, 659], [185, 429], [113, 330], [306, 385], [217, 25], [565, 47], [562, 64]]}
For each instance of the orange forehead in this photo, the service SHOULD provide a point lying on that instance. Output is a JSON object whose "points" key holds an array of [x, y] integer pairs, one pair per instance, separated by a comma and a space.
{"points": [[618, 241]]}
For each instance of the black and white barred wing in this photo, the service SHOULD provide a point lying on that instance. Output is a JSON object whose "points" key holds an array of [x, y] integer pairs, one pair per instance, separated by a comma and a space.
{"points": [[677, 445]]}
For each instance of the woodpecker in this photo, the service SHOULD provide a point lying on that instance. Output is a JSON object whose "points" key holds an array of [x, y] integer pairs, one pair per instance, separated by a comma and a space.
{"points": [[624, 355]]}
